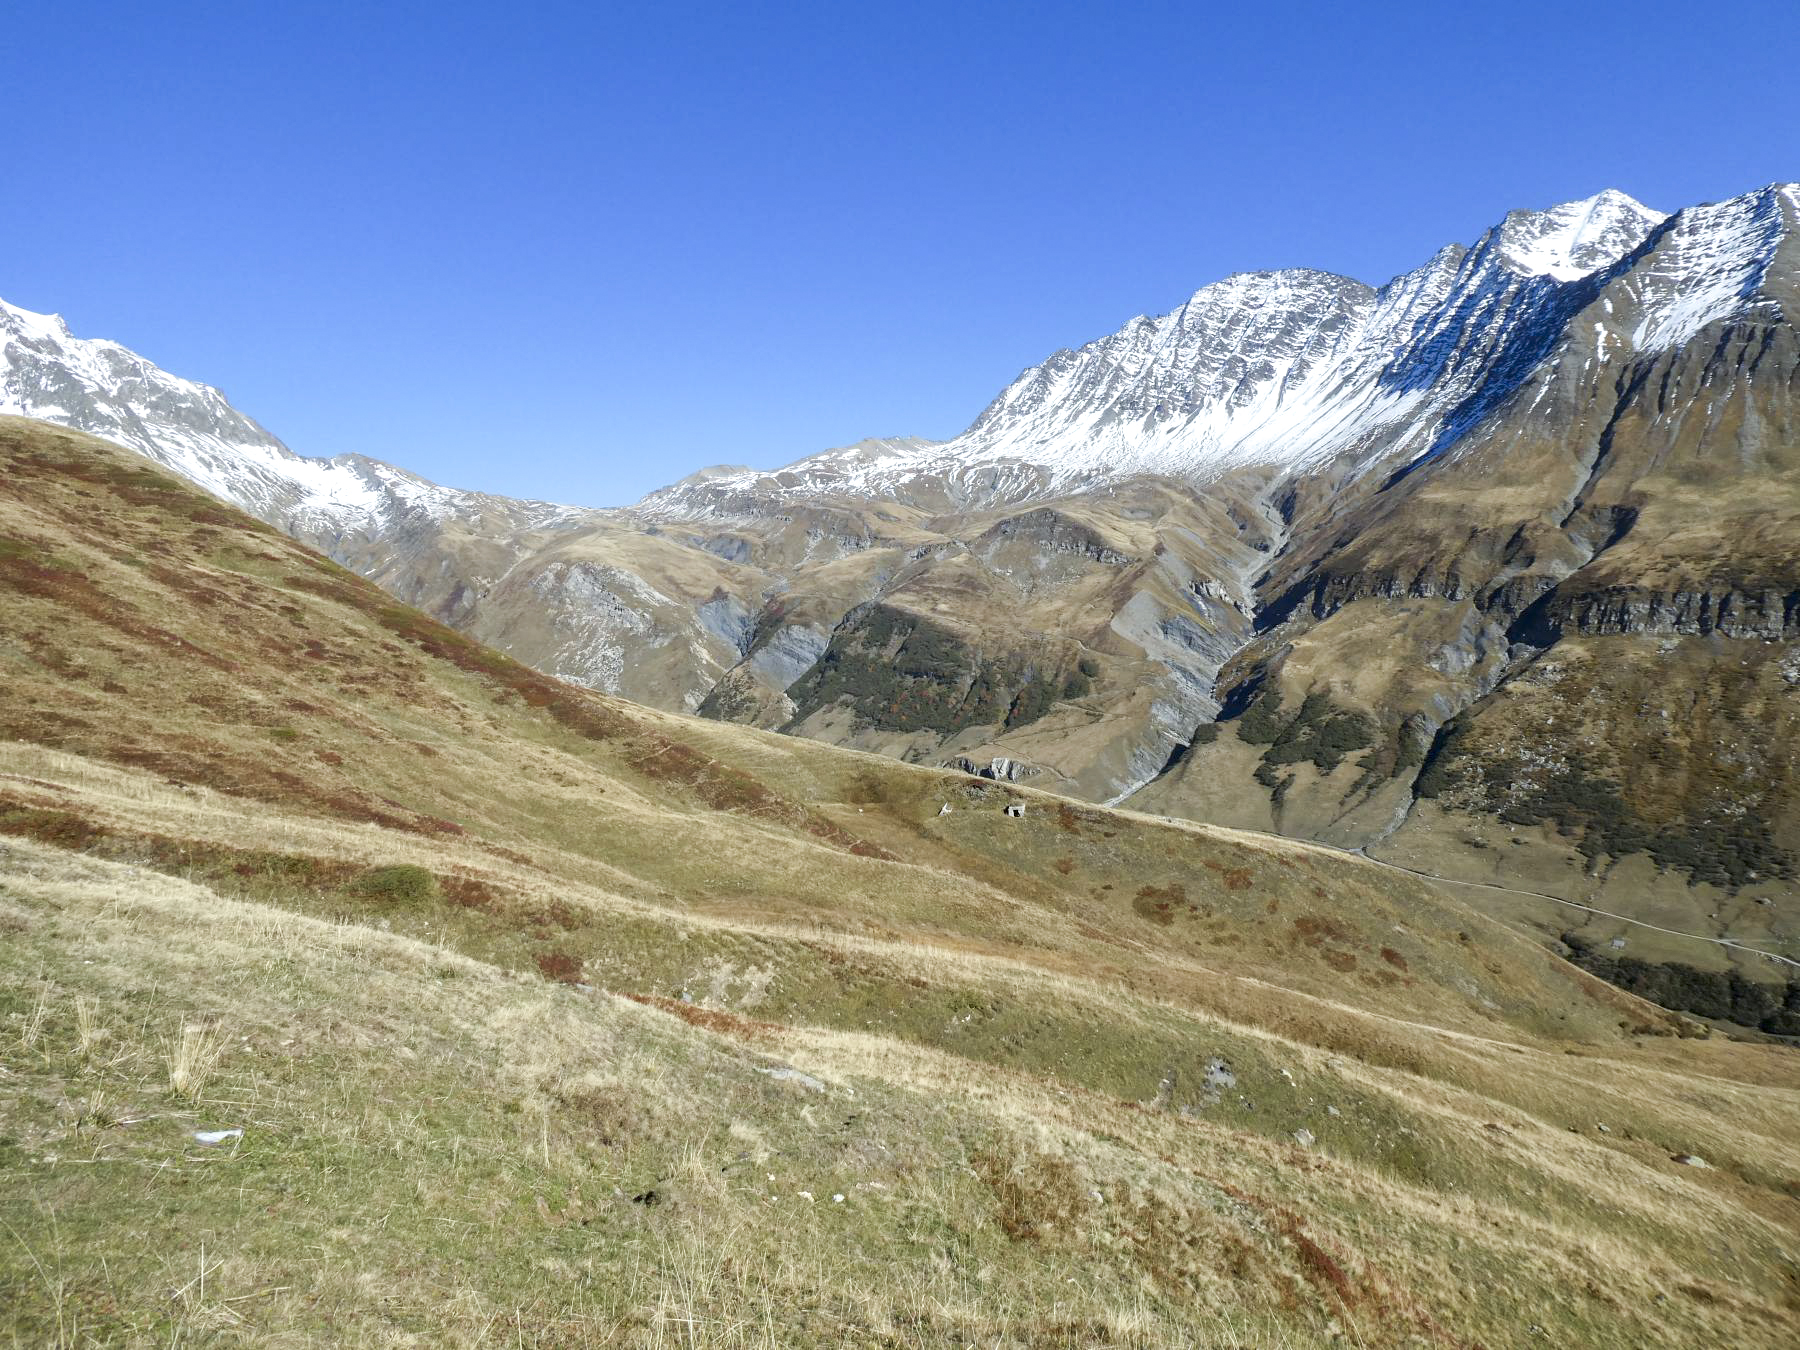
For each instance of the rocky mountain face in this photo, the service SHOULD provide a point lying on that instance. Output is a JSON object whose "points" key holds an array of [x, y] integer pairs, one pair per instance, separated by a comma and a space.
{"points": [[1490, 570]]}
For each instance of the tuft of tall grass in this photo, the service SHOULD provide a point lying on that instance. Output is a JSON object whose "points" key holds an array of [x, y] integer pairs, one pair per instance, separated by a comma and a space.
{"points": [[88, 1031], [34, 1020], [194, 1057]]}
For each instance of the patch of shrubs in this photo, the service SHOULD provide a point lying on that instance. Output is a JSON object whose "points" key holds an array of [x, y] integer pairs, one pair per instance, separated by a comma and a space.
{"points": [[1262, 722], [1590, 809], [1722, 994], [1405, 750], [1320, 732], [1276, 781], [901, 672], [729, 700], [399, 887], [1032, 701], [1442, 769]]}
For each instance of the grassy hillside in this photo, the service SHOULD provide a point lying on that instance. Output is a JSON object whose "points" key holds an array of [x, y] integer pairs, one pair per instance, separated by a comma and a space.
{"points": [[553, 1019]]}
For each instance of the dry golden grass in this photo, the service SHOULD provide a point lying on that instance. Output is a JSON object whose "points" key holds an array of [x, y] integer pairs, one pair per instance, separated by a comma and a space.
{"points": [[385, 1080]]}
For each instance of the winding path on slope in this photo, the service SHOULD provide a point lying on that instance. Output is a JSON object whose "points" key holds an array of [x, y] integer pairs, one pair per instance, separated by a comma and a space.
{"points": [[1575, 904]]}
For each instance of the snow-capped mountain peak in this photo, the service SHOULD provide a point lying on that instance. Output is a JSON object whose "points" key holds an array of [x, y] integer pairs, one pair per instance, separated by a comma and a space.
{"points": [[30, 324], [1711, 262], [1576, 239]]}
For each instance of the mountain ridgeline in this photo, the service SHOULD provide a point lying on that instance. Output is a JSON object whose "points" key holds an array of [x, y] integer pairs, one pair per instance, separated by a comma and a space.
{"points": [[1492, 571]]}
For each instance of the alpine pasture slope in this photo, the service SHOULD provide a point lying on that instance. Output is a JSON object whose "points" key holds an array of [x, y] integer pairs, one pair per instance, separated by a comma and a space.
{"points": [[549, 1017]]}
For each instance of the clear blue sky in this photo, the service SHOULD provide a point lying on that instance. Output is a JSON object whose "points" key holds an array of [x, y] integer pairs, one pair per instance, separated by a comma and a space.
{"points": [[576, 251]]}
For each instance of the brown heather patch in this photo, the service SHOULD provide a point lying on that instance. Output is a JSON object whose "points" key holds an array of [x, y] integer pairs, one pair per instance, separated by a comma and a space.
{"points": [[1160, 904], [826, 952], [575, 710], [469, 892], [1233, 878], [180, 857], [1039, 1198], [725, 788], [1316, 929], [508, 854], [39, 576], [71, 830], [1393, 958], [559, 966], [556, 914], [710, 1019], [184, 583], [61, 829]]}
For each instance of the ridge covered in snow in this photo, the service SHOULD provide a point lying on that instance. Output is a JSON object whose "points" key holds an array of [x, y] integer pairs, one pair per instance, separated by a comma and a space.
{"points": [[1278, 372], [102, 388], [1290, 370]]}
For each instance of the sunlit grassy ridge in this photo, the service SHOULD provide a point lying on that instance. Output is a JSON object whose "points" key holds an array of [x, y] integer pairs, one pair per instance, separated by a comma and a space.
{"points": [[491, 970]]}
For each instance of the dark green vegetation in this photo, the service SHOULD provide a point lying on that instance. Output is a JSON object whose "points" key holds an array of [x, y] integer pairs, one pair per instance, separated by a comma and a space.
{"points": [[1730, 845], [1769, 1006], [900, 671], [1319, 731], [730, 700], [403, 885]]}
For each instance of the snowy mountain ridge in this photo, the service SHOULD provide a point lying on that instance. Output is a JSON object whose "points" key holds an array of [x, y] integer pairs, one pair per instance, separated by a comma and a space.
{"points": [[103, 388], [1275, 373], [1292, 370]]}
